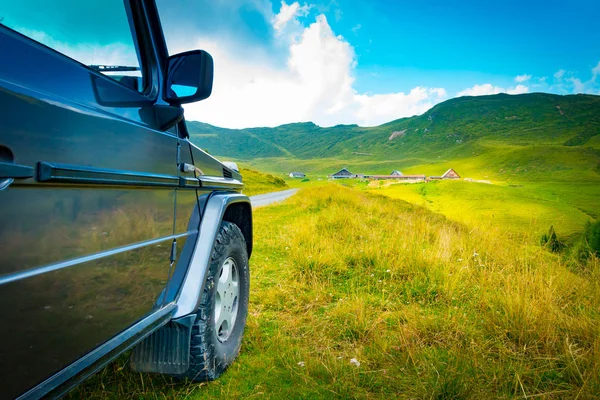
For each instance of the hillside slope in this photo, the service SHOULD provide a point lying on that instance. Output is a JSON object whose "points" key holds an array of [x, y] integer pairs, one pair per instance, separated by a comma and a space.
{"points": [[257, 183], [527, 136]]}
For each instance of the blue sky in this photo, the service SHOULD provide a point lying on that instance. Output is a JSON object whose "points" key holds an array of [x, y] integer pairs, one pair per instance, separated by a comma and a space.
{"points": [[456, 44], [377, 60], [332, 62]]}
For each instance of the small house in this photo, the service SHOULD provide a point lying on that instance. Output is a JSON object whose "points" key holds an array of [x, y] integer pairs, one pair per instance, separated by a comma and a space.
{"points": [[342, 174], [396, 173], [297, 175], [405, 178], [451, 174]]}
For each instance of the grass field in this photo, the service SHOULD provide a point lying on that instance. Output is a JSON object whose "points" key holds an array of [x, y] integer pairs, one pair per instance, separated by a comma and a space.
{"points": [[256, 182], [527, 207], [429, 308]]}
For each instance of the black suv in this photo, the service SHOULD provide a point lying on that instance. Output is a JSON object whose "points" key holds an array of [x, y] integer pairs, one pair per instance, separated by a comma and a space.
{"points": [[116, 232]]}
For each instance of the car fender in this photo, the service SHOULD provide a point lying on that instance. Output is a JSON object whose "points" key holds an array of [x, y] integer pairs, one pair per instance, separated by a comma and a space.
{"points": [[214, 213]]}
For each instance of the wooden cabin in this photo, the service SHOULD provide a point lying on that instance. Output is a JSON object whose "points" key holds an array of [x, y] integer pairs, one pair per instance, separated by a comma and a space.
{"points": [[342, 174], [451, 174]]}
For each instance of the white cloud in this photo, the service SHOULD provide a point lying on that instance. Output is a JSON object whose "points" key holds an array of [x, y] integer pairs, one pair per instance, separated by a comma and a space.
{"points": [[559, 74], [519, 89], [488, 88], [316, 84], [595, 72], [287, 13], [522, 78], [578, 85], [356, 28], [567, 82]]}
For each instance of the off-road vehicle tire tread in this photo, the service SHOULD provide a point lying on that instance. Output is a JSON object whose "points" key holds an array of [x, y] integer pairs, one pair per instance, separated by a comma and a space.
{"points": [[205, 364]]}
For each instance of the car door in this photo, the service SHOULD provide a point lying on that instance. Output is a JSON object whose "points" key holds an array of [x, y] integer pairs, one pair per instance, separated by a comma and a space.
{"points": [[87, 183]]}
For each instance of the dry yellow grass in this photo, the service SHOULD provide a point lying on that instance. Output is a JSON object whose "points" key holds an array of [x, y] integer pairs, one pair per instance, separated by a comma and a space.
{"points": [[428, 307]]}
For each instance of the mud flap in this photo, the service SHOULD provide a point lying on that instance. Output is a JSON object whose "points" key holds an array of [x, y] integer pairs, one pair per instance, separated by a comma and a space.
{"points": [[166, 351]]}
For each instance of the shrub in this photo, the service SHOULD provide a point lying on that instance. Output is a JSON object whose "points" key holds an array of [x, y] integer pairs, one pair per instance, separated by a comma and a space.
{"points": [[550, 241], [590, 241], [592, 235]]}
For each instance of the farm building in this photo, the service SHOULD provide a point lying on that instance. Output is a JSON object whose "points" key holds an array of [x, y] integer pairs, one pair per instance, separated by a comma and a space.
{"points": [[297, 175], [450, 174], [399, 177], [342, 174], [396, 173]]}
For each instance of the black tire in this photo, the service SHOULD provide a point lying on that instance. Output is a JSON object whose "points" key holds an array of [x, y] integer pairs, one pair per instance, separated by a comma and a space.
{"points": [[210, 355]]}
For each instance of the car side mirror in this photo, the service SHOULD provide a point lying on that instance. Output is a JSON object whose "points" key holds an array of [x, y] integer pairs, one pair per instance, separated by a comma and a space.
{"points": [[189, 77]]}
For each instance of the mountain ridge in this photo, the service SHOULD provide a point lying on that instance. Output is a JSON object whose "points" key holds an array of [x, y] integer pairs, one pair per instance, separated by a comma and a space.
{"points": [[539, 128]]}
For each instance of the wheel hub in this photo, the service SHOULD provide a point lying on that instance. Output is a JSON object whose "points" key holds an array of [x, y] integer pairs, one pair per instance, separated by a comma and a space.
{"points": [[226, 299]]}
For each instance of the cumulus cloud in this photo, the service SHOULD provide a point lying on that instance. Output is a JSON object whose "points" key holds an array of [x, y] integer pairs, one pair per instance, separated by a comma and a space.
{"points": [[522, 78], [316, 84], [488, 88], [287, 13]]}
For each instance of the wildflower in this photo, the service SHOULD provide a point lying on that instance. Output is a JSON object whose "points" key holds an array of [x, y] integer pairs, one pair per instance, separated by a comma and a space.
{"points": [[388, 271], [459, 260], [475, 254], [372, 275], [355, 362], [301, 363]]}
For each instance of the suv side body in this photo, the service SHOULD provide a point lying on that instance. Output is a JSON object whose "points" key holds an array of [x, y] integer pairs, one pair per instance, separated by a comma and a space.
{"points": [[108, 213]]}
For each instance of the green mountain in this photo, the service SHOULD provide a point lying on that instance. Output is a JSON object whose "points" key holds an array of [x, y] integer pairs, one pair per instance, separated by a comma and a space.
{"points": [[533, 136]]}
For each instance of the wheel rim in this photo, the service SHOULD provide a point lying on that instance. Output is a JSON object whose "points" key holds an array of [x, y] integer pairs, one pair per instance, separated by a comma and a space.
{"points": [[226, 299]]}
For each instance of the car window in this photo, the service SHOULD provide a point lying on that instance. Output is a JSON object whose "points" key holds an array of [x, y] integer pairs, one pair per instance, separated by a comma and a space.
{"points": [[97, 34]]}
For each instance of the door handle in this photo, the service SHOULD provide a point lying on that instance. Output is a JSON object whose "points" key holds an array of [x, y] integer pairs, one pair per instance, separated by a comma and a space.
{"points": [[10, 170]]}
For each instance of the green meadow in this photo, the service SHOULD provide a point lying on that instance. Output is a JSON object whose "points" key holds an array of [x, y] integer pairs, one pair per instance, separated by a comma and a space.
{"points": [[528, 207], [357, 295], [256, 182]]}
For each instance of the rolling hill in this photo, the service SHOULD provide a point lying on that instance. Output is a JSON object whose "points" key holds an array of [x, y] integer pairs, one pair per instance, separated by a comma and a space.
{"points": [[504, 137]]}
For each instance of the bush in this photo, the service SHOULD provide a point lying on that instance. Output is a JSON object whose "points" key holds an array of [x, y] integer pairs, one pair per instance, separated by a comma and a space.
{"points": [[590, 241], [305, 180], [592, 235], [550, 241]]}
